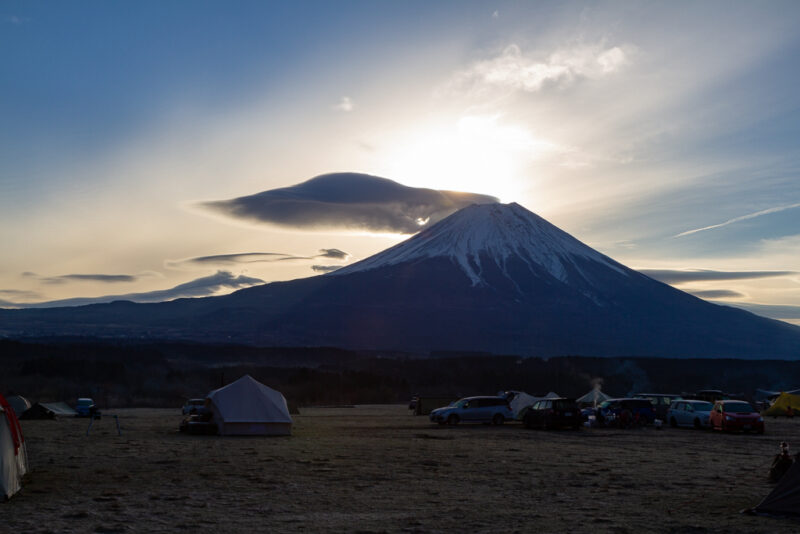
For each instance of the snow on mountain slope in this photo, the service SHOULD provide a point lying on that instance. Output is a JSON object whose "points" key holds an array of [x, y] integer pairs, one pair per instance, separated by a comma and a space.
{"points": [[491, 232]]}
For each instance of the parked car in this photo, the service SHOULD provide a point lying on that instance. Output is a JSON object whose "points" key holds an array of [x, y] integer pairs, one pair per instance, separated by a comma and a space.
{"points": [[736, 416], [626, 412], [711, 395], [199, 423], [660, 401], [553, 413], [689, 412], [86, 408], [493, 410], [193, 406]]}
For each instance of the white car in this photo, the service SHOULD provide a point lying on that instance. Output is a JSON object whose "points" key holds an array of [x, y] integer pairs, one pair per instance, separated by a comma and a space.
{"points": [[493, 410], [691, 413]]}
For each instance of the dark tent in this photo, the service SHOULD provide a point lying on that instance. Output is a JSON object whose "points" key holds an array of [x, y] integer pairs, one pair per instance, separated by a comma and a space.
{"points": [[785, 497], [49, 410], [19, 404]]}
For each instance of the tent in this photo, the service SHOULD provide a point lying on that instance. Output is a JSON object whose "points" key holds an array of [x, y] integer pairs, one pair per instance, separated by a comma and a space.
{"points": [[521, 402], [784, 499], [13, 458], [49, 410], [19, 403], [785, 404], [594, 397], [248, 407]]}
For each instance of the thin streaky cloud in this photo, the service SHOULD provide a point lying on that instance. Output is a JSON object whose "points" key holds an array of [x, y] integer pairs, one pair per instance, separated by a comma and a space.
{"points": [[739, 219], [19, 294], [773, 311], [257, 257], [325, 268], [200, 287], [717, 294], [674, 276], [64, 278]]}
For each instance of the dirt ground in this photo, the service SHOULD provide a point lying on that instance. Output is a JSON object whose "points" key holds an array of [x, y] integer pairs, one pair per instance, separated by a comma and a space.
{"points": [[379, 469]]}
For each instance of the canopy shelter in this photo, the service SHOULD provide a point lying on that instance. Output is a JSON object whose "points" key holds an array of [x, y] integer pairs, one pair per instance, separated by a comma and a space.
{"points": [[786, 404], [13, 458], [49, 410], [594, 397], [248, 407], [784, 499]]}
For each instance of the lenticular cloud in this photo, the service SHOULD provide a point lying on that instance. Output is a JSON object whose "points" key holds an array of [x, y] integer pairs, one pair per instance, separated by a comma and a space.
{"points": [[349, 200]]}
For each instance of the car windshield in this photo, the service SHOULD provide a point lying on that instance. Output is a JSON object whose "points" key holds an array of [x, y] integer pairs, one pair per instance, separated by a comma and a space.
{"points": [[738, 407], [701, 406], [461, 403]]}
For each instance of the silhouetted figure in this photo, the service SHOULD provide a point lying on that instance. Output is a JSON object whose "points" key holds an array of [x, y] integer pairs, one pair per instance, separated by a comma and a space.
{"points": [[782, 462]]}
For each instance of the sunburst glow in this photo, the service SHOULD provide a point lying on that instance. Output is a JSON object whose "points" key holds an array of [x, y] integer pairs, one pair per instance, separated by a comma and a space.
{"points": [[474, 153]]}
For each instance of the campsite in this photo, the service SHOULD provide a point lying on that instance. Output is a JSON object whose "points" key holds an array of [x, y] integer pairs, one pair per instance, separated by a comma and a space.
{"points": [[377, 468]]}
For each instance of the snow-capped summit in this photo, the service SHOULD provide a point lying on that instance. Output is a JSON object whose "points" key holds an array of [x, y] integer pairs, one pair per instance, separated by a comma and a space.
{"points": [[493, 233]]}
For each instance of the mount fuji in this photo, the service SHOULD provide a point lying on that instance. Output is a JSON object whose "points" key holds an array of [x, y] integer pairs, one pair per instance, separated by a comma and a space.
{"points": [[488, 278]]}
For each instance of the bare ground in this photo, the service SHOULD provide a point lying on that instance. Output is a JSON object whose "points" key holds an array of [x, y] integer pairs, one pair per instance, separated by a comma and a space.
{"points": [[378, 469]]}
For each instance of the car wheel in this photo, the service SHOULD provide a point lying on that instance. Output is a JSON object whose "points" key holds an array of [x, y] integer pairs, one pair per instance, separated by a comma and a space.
{"points": [[697, 424], [527, 422], [498, 419], [452, 420], [673, 423]]}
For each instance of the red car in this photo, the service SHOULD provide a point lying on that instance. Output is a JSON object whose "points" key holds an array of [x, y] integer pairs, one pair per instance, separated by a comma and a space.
{"points": [[735, 416]]}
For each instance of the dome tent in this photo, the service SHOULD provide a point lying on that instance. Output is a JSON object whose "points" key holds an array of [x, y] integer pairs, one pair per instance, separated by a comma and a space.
{"points": [[13, 457], [247, 407], [19, 403], [786, 404], [784, 499]]}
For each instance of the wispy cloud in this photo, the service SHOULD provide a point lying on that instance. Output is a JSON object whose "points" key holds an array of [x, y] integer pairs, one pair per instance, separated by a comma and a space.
{"points": [[325, 268], [761, 213], [532, 72], [773, 311], [19, 294], [64, 278], [349, 200], [200, 287], [256, 257], [14, 19], [717, 294], [672, 276], [345, 104]]}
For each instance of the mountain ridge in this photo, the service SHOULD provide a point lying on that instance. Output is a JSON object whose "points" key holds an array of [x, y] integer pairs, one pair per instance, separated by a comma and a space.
{"points": [[491, 278]]}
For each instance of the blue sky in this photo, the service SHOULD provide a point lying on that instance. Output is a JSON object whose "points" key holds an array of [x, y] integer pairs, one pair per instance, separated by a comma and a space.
{"points": [[666, 136]]}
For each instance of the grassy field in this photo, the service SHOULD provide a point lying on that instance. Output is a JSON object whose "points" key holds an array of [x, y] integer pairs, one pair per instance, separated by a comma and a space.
{"points": [[378, 469]]}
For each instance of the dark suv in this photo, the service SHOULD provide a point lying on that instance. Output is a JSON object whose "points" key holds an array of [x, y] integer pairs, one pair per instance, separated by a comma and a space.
{"points": [[660, 401], [553, 413], [626, 412]]}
